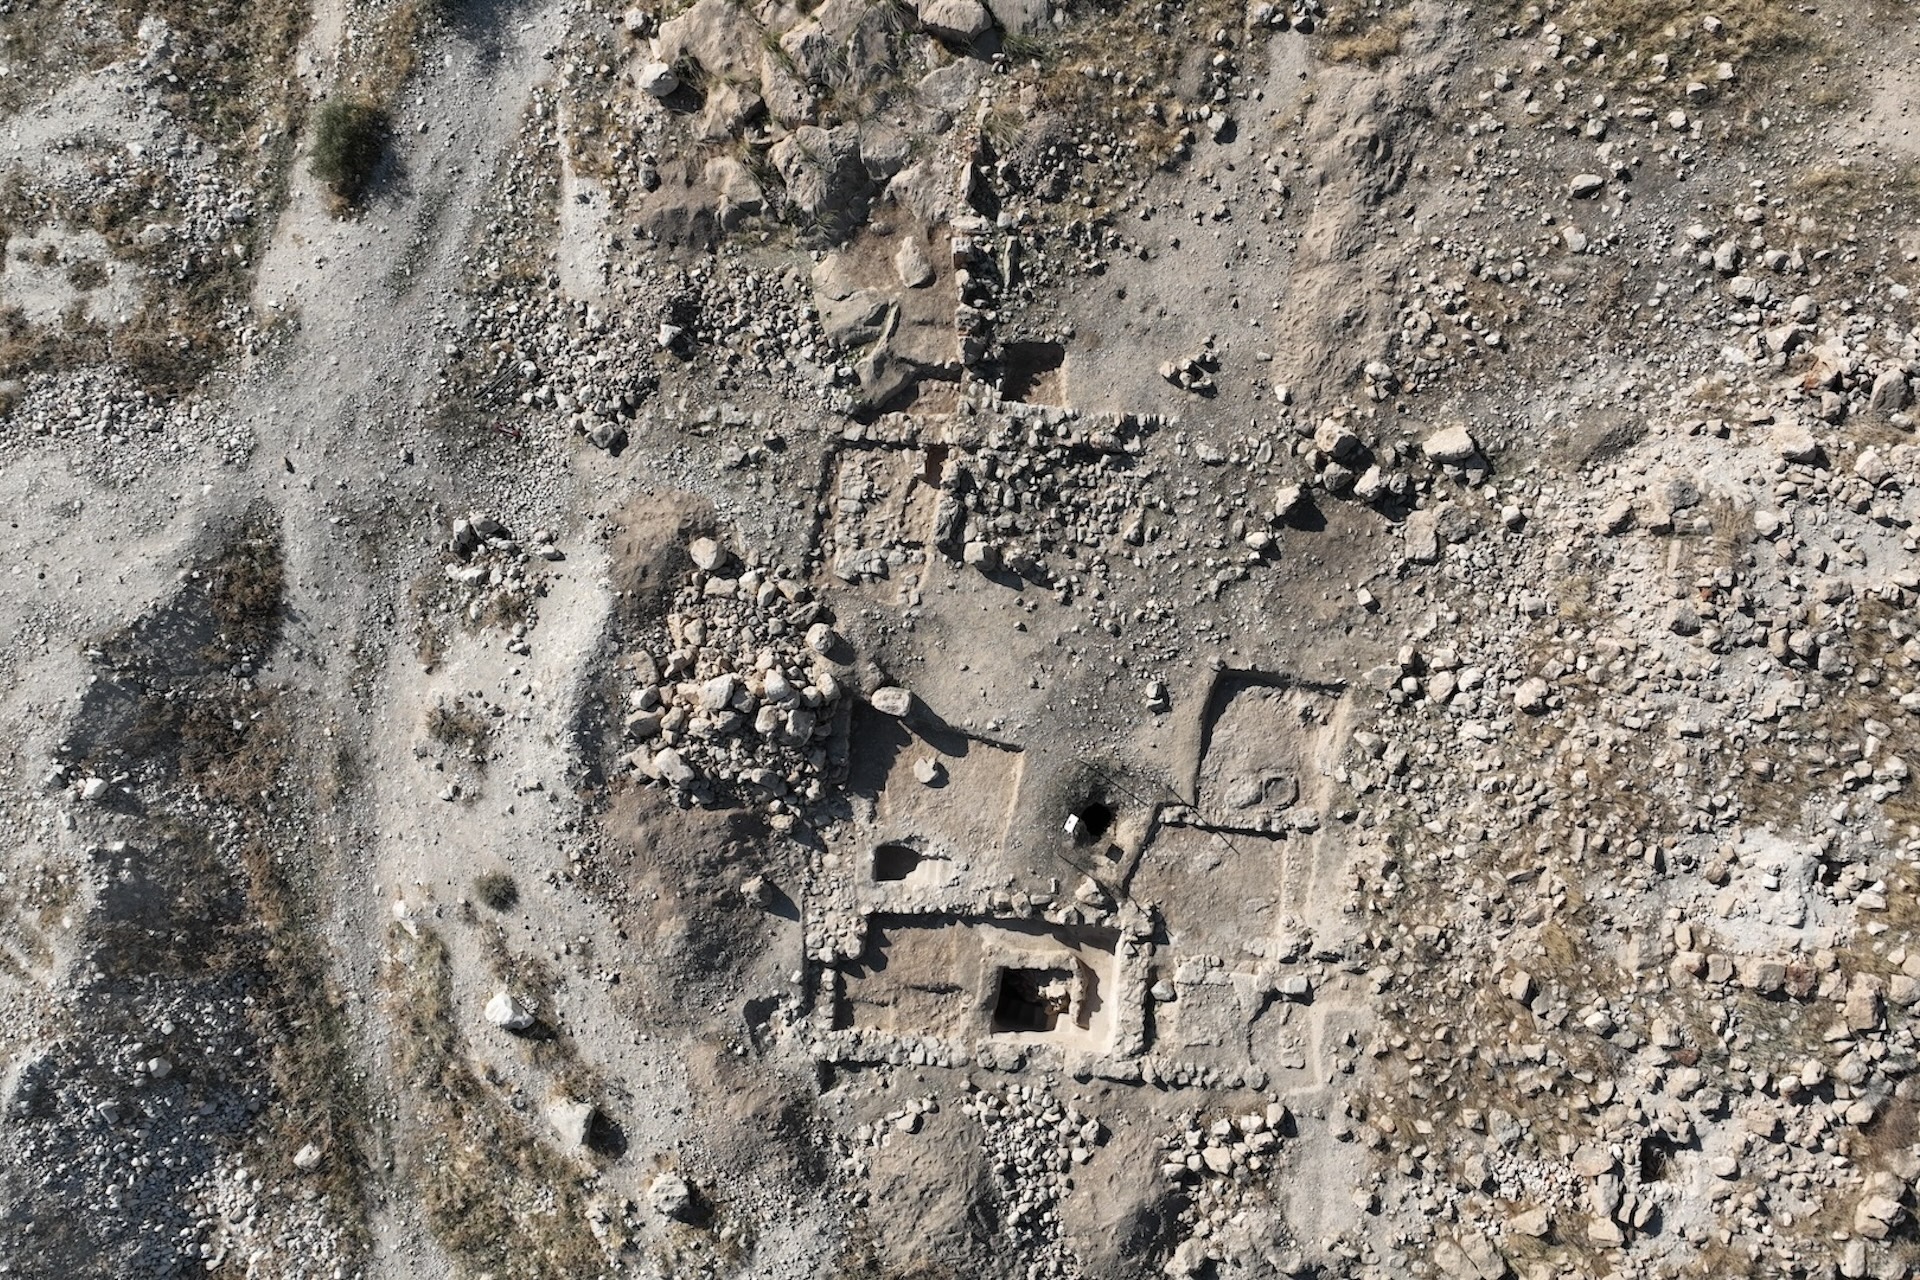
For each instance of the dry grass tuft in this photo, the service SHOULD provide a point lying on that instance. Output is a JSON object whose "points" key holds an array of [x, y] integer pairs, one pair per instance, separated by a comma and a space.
{"points": [[462, 728], [1366, 34]]}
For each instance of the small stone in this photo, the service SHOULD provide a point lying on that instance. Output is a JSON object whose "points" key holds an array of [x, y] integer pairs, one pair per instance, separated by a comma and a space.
{"points": [[707, 555], [891, 700], [507, 1013], [671, 1197], [657, 80], [1450, 446], [307, 1158], [1585, 186]]}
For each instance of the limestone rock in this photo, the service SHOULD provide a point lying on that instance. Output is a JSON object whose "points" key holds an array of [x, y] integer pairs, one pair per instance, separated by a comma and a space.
{"points": [[1450, 446], [572, 1121], [657, 80], [822, 170], [670, 1197], [911, 263], [891, 700], [961, 21], [1891, 392], [507, 1013]]}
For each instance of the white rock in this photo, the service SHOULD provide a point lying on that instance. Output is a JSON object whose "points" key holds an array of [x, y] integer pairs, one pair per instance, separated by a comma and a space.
{"points": [[962, 21], [670, 1196], [1531, 696], [911, 262], [572, 1121], [1796, 444], [671, 769], [657, 79], [892, 700], [307, 1158], [1450, 446], [507, 1013]]}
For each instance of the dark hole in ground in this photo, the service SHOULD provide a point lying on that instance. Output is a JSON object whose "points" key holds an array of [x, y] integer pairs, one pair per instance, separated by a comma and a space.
{"points": [[1030, 999], [1095, 818], [894, 862], [1031, 369], [936, 463], [1653, 1158]]}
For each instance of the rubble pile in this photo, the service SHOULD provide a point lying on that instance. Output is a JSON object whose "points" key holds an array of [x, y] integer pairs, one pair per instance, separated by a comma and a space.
{"points": [[747, 691]]}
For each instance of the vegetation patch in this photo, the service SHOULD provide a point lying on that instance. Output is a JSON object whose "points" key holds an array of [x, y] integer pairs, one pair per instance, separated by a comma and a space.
{"points": [[1366, 34], [1671, 43], [350, 138], [462, 728], [498, 890], [498, 1199]]}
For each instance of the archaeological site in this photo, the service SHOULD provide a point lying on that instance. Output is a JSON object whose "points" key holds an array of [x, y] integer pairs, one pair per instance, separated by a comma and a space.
{"points": [[960, 639]]}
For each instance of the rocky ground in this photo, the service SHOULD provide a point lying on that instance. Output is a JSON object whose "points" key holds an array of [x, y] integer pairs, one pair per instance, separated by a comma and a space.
{"points": [[1015, 639]]}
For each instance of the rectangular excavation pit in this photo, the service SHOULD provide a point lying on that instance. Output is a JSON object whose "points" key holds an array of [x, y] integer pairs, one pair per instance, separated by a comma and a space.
{"points": [[942, 793], [1267, 744], [882, 500], [1218, 891], [963, 978]]}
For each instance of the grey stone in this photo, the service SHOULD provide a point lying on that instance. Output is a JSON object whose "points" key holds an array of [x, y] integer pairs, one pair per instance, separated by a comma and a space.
{"points": [[891, 700]]}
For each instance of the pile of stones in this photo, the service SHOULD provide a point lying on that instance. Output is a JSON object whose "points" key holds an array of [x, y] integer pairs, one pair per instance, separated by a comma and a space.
{"points": [[743, 692], [1034, 1142]]}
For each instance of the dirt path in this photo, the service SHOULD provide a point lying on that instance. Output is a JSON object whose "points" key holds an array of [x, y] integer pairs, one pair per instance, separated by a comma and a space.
{"points": [[334, 435]]}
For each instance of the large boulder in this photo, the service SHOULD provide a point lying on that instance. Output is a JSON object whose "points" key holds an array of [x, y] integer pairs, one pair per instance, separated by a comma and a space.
{"points": [[822, 170], [729, 109], [717, 34], [670, 1196], [1450, 446], [961, 21], [572, 1122], [788, 98], [739, 191], [1020, 17], [1891, 392], [657, 80]]}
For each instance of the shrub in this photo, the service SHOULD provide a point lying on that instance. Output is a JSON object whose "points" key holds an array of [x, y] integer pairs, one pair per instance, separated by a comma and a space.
{"points": [[349, 141], [498, 890]]}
